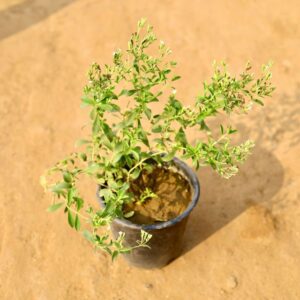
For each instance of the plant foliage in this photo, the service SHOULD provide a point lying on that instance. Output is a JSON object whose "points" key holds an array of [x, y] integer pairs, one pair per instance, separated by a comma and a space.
{"points": [[127, 137]]}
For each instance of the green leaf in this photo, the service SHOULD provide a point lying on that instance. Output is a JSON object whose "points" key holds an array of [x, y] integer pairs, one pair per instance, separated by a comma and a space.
{"points": [[70, 219], [127, 92], [181, 137], [115, 107], [169, 156], [60, 187], [54, 207], [135, 174], [123, 93], [96, 126], [148, 112], [77, 223], [70, 196], [106, 142], [82, 142], [203, 125], [92, 168], [106, 193], [222, 129], [107, 131], [176, 78], [83, 156], [79, 202], [259, 102], [109, 107], [135, 153], [125, 251], [88, 235], [231, 131], [129, 214], [116, 158], [67, 177], [144, 138], [157, 128], [86, 101], [114, 255]]}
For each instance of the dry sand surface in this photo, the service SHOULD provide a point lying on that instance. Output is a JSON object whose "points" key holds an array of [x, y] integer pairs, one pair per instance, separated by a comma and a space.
{"points": [[243, 239]]}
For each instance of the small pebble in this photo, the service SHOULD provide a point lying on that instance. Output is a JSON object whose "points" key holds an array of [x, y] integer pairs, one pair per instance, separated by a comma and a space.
{"points": [[232, 282], [149, 285]]}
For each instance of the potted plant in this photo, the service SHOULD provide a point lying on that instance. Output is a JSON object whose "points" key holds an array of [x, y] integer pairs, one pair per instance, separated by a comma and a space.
{"points": [[134, 155]]}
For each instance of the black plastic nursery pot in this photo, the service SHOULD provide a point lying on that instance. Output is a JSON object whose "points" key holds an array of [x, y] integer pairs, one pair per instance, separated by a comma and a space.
{"points": [[167, 237]]}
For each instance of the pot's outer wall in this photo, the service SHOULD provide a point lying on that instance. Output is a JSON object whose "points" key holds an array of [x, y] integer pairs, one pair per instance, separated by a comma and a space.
{"points": [[165, 244], [167, 237]]}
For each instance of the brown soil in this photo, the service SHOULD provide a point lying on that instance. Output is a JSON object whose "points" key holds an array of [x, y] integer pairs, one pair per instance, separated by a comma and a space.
{"points": [[173, 194]]}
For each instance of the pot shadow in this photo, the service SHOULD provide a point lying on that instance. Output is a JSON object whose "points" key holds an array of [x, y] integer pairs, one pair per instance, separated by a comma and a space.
{"points": [[221, 200], [259, 179], [25, 14]]}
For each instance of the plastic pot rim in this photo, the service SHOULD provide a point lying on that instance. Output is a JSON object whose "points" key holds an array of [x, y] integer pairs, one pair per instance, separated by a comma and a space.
{"points": [[193, 181]]}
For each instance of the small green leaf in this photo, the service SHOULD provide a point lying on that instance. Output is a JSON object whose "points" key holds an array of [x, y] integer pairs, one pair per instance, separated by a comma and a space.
{"points": [[176, 78], [107, 131], [127, 92], [88, 235], [58, 188], [135, 153], [54, 207], [231, 131], [181, 137], [106, 142], [109, 107], [259, 102], [96, 126], [203, 125], [222, 129], [83, 156], [92, 168], [166, 71], [70, 219], [157, 128], [135, 174], [106, 193], [117, 156], [67, 177], [82, 142], [169, 156], [87, 101], [129, 214], [114, 255], [79, 202], [144, 138], [77, 223], [148, 112], [70, 196]]}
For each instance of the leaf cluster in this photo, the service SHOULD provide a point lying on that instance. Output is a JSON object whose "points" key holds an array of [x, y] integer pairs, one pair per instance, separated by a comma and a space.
{"points": [[128, 138]]}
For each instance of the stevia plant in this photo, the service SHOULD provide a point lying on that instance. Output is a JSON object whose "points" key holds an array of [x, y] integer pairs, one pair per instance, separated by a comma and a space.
{"points": [[129, 138]]}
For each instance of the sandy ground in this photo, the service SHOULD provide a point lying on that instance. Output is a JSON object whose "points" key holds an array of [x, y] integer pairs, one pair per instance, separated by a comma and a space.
{"points": [[243, 239]]}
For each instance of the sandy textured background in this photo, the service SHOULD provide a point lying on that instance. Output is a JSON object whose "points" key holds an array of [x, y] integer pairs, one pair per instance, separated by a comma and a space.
{"points": [[243, 240]]}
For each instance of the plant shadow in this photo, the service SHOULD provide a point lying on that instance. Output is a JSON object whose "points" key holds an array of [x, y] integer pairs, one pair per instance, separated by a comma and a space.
{"points": [[25, 14], [221, 201], [259, 179]]}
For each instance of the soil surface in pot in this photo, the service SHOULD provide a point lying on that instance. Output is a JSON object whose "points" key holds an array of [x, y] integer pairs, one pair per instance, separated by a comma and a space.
{"points": [[173, 195]]}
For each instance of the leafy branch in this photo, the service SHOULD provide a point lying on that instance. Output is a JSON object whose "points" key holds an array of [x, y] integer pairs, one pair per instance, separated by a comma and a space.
{"points": [[126, 140]]}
